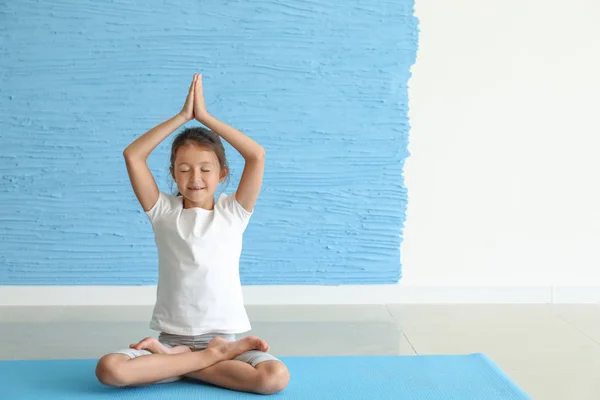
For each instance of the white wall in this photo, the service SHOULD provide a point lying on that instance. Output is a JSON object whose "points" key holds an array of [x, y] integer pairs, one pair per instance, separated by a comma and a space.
{"points": [[503, 186], [503, 176]]}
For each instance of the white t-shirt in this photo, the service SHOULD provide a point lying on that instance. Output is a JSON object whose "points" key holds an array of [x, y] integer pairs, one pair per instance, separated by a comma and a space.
{"points": [[199, 289]]}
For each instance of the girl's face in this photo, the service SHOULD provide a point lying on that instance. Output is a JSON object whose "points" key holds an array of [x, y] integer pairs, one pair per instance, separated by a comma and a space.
{"points": [[197, 173]]}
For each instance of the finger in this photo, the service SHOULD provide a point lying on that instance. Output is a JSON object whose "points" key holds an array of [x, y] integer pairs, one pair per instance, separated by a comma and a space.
{"points": [[199, 91], [193, 84]]}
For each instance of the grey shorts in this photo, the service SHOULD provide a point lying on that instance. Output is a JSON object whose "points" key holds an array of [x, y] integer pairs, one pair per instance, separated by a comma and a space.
{"points": [[199, 342]]}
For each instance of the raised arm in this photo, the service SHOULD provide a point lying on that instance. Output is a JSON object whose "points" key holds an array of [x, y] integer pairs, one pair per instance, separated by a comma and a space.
{"points": [[253, 153], [142, 181]]}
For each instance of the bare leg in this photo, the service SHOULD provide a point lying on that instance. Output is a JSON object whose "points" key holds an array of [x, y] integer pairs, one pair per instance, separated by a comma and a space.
{"points": [[267, 378], [119, 370]]}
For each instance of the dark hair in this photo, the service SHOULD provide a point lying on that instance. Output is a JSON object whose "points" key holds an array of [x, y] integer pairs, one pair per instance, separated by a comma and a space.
{"points": [[202, 137]]}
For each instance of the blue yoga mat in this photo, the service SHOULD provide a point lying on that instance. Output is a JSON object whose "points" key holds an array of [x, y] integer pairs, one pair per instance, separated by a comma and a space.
{"points": [[379, 377]]}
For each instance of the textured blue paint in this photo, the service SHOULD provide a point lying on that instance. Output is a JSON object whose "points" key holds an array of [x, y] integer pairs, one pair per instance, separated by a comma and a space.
{"points": [[321, 85]]}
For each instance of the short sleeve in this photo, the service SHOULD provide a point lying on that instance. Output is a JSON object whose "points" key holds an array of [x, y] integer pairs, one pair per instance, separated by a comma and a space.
{"points": [[235, 210], [165, 204]]}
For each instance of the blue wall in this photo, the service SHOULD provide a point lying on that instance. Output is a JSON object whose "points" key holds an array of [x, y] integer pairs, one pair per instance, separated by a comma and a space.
{"points": [[321, 85]]}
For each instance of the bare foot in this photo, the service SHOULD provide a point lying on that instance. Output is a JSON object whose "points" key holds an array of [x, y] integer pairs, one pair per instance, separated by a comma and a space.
{"points": [[233, 349], [152, 345]]}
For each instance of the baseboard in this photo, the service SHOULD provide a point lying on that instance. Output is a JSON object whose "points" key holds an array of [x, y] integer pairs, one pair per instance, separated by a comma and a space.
{"points": [[282, 295], [576, 294]]}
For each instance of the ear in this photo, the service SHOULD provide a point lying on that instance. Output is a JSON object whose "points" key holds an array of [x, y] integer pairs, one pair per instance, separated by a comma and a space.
{"points": [[223, 174], [172, 172]]}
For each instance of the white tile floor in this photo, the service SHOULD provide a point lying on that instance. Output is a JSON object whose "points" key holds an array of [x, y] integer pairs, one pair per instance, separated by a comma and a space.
{"points": [[551, 351]]}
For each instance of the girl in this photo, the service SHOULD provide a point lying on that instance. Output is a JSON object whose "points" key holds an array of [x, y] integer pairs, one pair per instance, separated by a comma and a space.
{"points": [[199, 306]]}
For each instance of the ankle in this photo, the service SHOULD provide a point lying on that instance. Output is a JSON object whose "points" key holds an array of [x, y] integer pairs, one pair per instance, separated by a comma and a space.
{"points": [[216, 353]]}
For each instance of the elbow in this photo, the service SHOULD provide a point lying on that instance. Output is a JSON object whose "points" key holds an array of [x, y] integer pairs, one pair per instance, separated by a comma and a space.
{"points": [[257, 154], [127, 154], [130, 156], [260, 155]]}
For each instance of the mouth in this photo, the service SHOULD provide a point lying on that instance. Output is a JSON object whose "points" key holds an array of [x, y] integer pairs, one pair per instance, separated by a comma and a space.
{"points": [[196, 188]]}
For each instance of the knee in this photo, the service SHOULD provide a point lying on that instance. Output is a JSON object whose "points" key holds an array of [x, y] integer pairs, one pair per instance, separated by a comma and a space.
{"points": [[273, 379], [109, 370]]}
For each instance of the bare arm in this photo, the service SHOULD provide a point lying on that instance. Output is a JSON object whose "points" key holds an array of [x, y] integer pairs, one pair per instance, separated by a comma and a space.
{"points": [[141, 147], [254, 154], [142, 181]]}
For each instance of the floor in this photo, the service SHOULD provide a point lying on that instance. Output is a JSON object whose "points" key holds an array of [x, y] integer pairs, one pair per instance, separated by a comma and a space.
{"points": [[551, 351]]}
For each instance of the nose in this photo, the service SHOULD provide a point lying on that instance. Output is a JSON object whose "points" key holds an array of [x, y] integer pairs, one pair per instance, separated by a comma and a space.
{"points": [[196, 175]]}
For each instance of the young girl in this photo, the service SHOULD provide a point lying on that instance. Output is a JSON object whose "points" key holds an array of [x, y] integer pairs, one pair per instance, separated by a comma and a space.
{"points": [[199, 306]]}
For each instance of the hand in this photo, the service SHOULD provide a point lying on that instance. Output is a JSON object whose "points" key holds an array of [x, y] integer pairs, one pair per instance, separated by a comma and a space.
{"points": [[200, 112], [188, 108]]}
